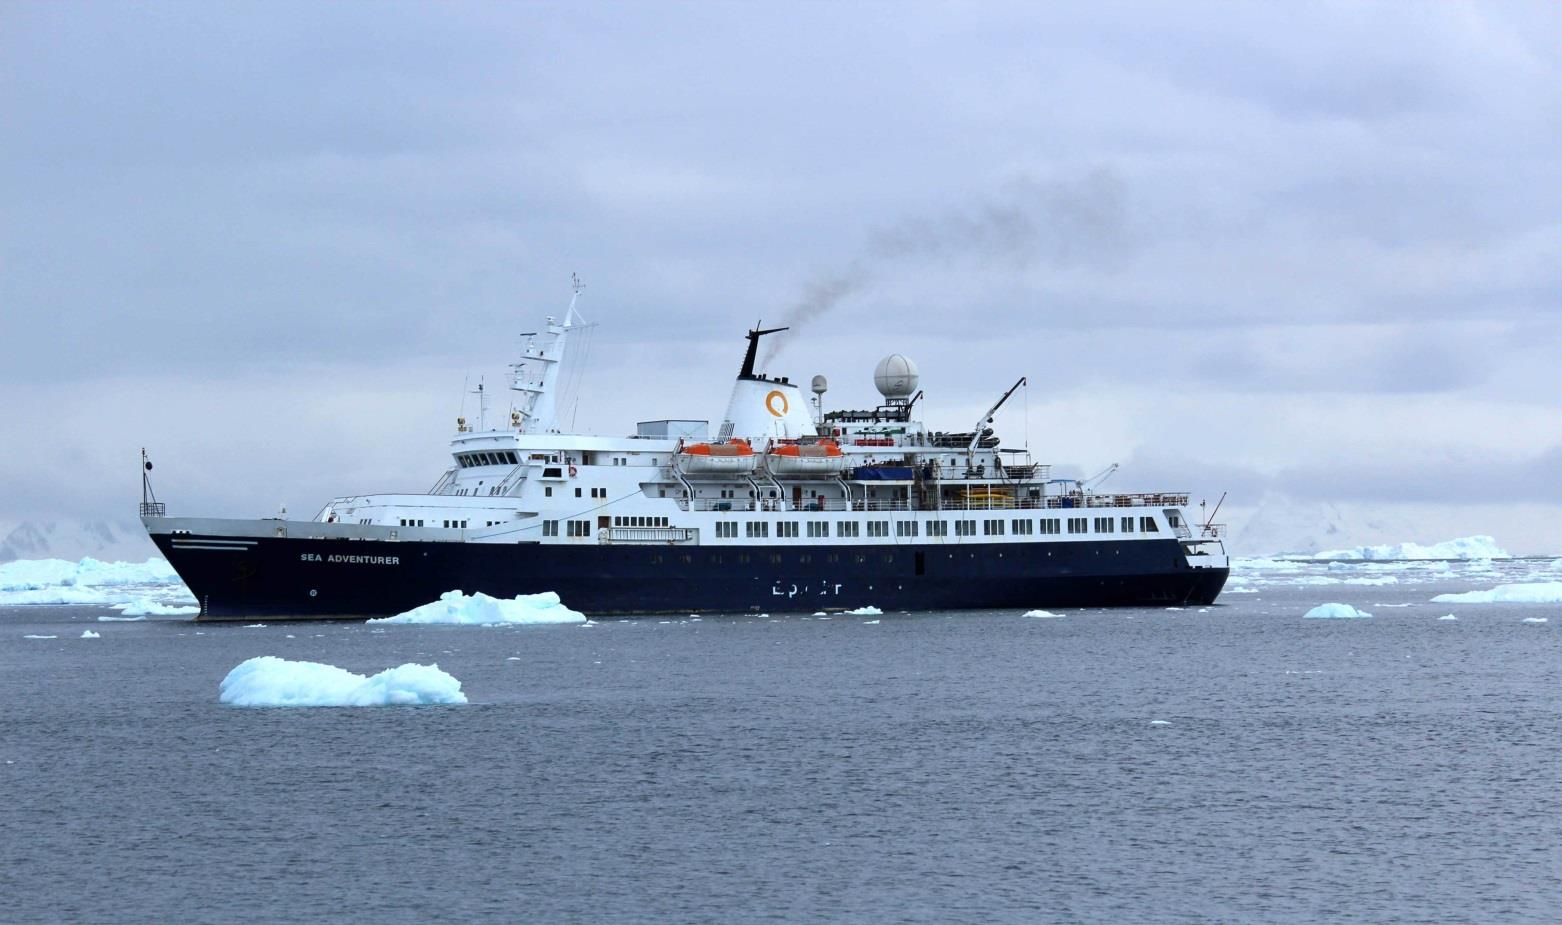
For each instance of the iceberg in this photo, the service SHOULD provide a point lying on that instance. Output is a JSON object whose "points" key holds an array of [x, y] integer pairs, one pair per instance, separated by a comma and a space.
{"points": [[1467, 547], [87, 581], [1534, 592], [89, 634], [1044, 614], [268, 681], [454, 607], [868, 611], [1335, 612], [1448, 616]]}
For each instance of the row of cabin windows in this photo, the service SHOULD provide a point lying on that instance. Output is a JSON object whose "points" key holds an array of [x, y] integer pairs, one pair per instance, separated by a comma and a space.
{"points": [[1019, 526], [819, 529], [640, 522], [502, 458], [572, 528], [743, 558]]}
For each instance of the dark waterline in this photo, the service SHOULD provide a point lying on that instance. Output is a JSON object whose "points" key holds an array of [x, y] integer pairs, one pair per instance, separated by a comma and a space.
{"points": [[954, 767]]}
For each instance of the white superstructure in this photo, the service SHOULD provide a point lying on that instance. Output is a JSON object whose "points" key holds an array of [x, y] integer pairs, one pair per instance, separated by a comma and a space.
{"points": [[815, 477]]}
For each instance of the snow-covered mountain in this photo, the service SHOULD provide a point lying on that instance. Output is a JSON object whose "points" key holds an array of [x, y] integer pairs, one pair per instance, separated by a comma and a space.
{"points": [[101, 539]]}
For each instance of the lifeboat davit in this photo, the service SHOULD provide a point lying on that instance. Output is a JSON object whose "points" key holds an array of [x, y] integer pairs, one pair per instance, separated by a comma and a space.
{"points": [[792, 460], [734, 457]]}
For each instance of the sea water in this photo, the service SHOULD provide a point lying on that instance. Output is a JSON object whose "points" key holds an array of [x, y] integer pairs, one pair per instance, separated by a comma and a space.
{"points": [[1231, 763]]}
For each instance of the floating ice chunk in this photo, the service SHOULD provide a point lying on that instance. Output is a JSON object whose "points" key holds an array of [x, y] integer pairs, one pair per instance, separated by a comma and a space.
{"points": [[145, 607], [1335, 612], [120, 619], [1535, 592], [1160, 722], [254, 626], [867, 611], [1447, 616], [513, 658], [1535, 619], [1467, 547], [479, 609], [268, 681], [89, 634], [820, 613], [1044, 614], [31, 636], [870, 622], [1241, 591]]}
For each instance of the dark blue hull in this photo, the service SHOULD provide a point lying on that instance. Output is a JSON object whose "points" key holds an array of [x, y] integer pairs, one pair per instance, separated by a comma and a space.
{"points": [[344, 579]]}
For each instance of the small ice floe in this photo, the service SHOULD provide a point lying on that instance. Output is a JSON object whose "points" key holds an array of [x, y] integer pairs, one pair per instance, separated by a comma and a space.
{"points": [[1043, 614], [866, 611], [120, 619], [1396, 605], [820, 613], [1335, 612], [254, 626], [1173, 608], [34, 636], [268, 681], [870, 623], [1447, 616], [146, 607], [89, 634], [1160, 722], [454, 607], [1241, 591], [1534, 592], [513, 658], [1535, 619]]}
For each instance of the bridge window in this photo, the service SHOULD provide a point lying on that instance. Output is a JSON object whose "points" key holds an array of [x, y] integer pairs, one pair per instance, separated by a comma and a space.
{"points": [[1147, 525]]}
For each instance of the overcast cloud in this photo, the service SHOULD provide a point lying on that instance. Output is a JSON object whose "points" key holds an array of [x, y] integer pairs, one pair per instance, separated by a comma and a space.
{"points": [[1300, 250]]}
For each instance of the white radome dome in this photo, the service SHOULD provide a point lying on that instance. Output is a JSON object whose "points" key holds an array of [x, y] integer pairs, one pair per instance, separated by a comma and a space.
{"points": [[896, 376]]}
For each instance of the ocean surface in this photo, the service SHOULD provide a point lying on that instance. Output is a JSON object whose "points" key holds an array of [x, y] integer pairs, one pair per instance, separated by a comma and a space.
{"points": [[1236, 763]]}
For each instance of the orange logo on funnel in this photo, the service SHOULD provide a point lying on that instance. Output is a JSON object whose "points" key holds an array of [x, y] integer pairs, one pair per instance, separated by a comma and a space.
{"points": [[774, 398]]}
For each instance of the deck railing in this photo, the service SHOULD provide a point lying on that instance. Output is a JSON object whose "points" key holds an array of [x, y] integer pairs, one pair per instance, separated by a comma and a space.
{"points": [[154, 509], [995, 500]]}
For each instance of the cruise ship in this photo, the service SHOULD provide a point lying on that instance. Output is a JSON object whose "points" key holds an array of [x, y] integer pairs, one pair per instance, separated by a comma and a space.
{"points": [[784, 505]]}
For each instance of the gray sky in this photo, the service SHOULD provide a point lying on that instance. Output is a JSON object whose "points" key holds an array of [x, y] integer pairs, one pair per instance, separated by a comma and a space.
{"points": [[1307, 251]]}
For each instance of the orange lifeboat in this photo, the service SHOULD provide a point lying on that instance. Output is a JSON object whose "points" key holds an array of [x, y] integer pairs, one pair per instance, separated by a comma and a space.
{"points": [[733, 457], [794, 460]]}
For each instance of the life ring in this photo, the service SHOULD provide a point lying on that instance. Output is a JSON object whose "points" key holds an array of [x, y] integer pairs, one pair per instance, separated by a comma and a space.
{"points": [[571, 471]]}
